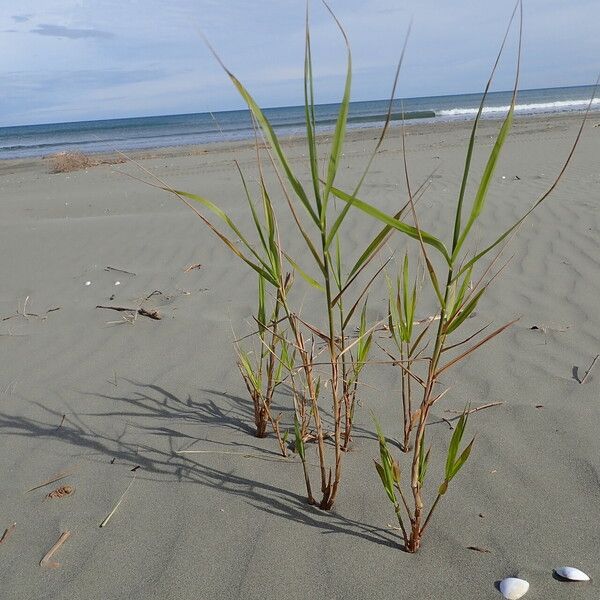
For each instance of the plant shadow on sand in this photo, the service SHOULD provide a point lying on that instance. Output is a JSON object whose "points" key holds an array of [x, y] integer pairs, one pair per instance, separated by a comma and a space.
{"points": [[160, 461]]}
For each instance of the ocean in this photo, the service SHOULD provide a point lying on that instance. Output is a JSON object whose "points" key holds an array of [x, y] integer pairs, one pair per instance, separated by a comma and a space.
{"points": [[190, 129]]}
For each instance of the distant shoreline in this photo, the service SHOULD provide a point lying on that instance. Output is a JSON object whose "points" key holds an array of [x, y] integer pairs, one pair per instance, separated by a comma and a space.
{"points": [[35, 163], [150, 133]]}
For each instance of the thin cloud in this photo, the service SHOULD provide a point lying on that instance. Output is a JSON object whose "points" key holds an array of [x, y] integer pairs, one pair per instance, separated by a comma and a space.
{"points": [[21, 18], [73, 34]]}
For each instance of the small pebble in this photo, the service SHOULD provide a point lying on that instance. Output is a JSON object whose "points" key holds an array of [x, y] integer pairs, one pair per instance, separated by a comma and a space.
{"points": [[88, 283], [117, 283]]}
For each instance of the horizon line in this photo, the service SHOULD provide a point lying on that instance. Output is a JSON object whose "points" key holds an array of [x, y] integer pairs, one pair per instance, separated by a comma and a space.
{"points": [[287, 106]]}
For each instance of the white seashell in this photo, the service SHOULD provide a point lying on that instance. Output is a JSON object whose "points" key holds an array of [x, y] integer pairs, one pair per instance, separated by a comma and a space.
{"points": [[571, 573], [88, 283], [512, 588]]}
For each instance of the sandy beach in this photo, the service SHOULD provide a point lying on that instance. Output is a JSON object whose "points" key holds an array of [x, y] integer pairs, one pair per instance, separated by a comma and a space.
{"points": [[83, 389]]}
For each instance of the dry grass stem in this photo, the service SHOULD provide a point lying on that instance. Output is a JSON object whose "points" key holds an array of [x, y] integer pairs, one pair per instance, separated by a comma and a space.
{"points": [[114, 510], [590, 369], [144, 312], [56, 477], [192, 268], [240, 454], [474, 410], [116, 270]]}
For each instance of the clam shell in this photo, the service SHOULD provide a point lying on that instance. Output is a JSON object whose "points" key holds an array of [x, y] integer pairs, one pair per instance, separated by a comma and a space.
{"points": [[571, 573], [513, 588]]}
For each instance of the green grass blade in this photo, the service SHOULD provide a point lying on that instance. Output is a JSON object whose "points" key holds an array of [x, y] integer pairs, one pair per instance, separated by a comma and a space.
{"points": [[223, 216], [273, 250], [396, 323], [462, 459], [262, 314], [434, 282], [405, 286], [247, 367], [385, 468], [338, 263], [255, 218], [469, 155], [486, 178], [340, 219], [299, 442], [393, 223], [387, 485], [270, 136], [543, 197], [340, 126], [313, 282], [309, 111], [373, 247], [263, 270], [380, 238], [462, 291], [364, 340], [493, 159], [410, 318], [454, 444], [458, 319]]}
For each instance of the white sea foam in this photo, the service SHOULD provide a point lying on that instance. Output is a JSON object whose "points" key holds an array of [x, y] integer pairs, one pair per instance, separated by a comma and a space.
{"points": [[558, 106]]}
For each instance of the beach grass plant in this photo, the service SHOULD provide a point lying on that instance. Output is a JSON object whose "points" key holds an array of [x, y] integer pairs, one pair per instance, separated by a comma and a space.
{"points": [[425, 349], [327, 339], [457, 291]]}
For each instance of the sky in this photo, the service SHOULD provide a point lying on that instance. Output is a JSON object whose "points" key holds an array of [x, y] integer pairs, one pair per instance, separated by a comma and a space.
{"points": [[72, 60]]}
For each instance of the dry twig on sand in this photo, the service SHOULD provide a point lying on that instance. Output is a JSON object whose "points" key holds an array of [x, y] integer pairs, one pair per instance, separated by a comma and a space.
{"points": [[478, 549], [52, 564], [56, 477], [242, 454], [150, 313], [119, 270], [7, 533], [474, 410], [192, 267], [22, 312]]}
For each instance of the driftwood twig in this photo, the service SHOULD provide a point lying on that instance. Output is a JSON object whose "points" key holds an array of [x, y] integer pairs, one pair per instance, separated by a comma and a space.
{"points": [[192, 267], [46, 561], [22, 312], [478, 549], [242, 454], [118, 270], [145, 312], [53, 478], [7, 533], [474, 410]]}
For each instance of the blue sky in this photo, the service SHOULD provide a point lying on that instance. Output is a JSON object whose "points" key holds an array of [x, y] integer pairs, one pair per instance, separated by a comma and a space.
{"points": [[67, 60]]}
